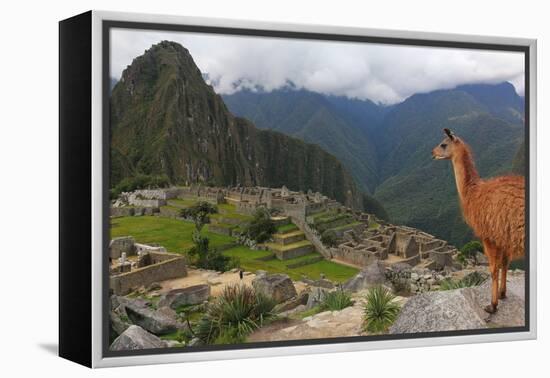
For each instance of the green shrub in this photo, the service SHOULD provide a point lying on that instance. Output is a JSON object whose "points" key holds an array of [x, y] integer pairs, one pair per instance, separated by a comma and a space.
{"points": [[336, 300], [473, 279], [380, 310], [469, 251], [329, 238], [129, 184], [261, 228], [205, 257], [234, 315]]}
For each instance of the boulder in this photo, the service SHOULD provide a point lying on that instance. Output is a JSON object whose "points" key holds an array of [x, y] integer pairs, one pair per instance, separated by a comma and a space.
{"points": [[324, 283], [372, 275], [277, 286], [462, 309], [187, 296], [315, 297], [136, 337], [119, 322], [159, 322], [119, 303], [292, 303]]}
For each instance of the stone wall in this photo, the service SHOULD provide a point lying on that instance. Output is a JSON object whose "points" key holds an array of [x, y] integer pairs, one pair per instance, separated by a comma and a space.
{"points": [[122, 212], [155, 194], [145, 248], [120, 245], [172, 266], [313, 237], [357, 256], [248, 208], [169, 212], [136, 201]]}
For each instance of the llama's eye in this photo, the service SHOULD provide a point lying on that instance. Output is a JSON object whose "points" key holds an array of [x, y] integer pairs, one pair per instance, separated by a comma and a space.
{"points": [[443, 145]]}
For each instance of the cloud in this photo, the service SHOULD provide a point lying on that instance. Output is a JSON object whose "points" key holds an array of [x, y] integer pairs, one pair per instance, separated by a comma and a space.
{"points": [[382, 73]]}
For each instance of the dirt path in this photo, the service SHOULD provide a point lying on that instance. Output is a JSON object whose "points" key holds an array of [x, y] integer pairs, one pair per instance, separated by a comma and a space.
{"points": [[217, 281]]}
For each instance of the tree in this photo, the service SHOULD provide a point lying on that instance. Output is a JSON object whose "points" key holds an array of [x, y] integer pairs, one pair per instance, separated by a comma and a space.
{"points": [[329, 238], [199, 213], [261, 227], [206, 257]]}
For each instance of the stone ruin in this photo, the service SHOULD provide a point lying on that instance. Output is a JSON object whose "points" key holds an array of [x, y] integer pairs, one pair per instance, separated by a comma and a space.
{"points": [[132, 265], [361, 245], [395, 244]]}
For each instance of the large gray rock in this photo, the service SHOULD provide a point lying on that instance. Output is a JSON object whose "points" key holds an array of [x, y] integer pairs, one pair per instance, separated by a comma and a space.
{"points": [[119, 323], [292, 303], [159, 322], [462, 309], [372, 275], [136, 337], [277, 286], [316, 297], [187, 296]]}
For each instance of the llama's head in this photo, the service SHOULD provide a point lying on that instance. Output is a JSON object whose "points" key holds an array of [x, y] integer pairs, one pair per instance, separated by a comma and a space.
{"points": [[446, 149]]}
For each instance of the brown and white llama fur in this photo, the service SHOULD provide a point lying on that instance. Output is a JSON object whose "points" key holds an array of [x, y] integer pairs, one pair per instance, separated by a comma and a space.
{"points": [[493, 208]]}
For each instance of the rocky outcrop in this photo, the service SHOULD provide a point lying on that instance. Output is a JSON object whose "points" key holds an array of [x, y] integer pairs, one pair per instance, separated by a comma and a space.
{"points": [[159, 322], [136, 337], [462, 309], [316, 297], [192, 295], [277, 286], [374, 274]]}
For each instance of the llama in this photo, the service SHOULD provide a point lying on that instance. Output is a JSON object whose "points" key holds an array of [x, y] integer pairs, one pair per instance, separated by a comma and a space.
{"points": [[493, 208]]}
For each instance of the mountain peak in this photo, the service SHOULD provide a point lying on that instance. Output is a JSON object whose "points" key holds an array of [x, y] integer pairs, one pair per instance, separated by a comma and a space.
{"points": [[166, 120], [500, 99]]}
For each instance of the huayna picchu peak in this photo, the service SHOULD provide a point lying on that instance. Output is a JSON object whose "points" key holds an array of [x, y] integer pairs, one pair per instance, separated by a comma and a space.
{"points": [[166, 120]]}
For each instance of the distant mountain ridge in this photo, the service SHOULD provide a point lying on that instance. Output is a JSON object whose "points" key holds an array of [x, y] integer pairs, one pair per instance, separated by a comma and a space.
{"points": [[166, 120], [318, 119], [392, 144]]}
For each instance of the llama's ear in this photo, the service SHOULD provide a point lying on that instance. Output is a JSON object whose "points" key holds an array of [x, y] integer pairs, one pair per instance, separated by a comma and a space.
{"points": [[449, 133]]}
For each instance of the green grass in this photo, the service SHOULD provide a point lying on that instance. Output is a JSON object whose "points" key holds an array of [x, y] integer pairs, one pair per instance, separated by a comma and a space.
{"points": [[285, 228], [228, 207], [286, 247], [181, 203], [323, 215], [170, 207], [244, 218], [373, 225], [290, 234], [345, 226], [173, 234], [333, 271]]}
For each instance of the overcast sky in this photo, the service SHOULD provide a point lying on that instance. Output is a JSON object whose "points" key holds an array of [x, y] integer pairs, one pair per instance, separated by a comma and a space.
{"points": [[382, 73]]}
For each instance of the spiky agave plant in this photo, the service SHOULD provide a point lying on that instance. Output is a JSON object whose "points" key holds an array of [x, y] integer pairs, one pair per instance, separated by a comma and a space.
{"points": [[381, 310], [234, 315], [336, 300]]}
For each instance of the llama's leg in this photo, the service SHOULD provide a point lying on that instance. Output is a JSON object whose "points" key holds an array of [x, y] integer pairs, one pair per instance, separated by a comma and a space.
{"points": [[503, 271], [491, 253]]}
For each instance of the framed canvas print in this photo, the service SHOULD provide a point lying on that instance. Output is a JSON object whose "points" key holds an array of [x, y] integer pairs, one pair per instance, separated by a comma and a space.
{"points": [[234, 189]]}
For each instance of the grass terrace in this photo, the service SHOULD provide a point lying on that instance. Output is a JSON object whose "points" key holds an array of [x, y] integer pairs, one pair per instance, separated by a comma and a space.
{"points": [[249, 261], [181, 203], [286, 228], [173, 234]]}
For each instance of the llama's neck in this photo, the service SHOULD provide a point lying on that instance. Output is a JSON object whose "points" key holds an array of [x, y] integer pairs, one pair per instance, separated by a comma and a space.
{"points": [[466, 175]]}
